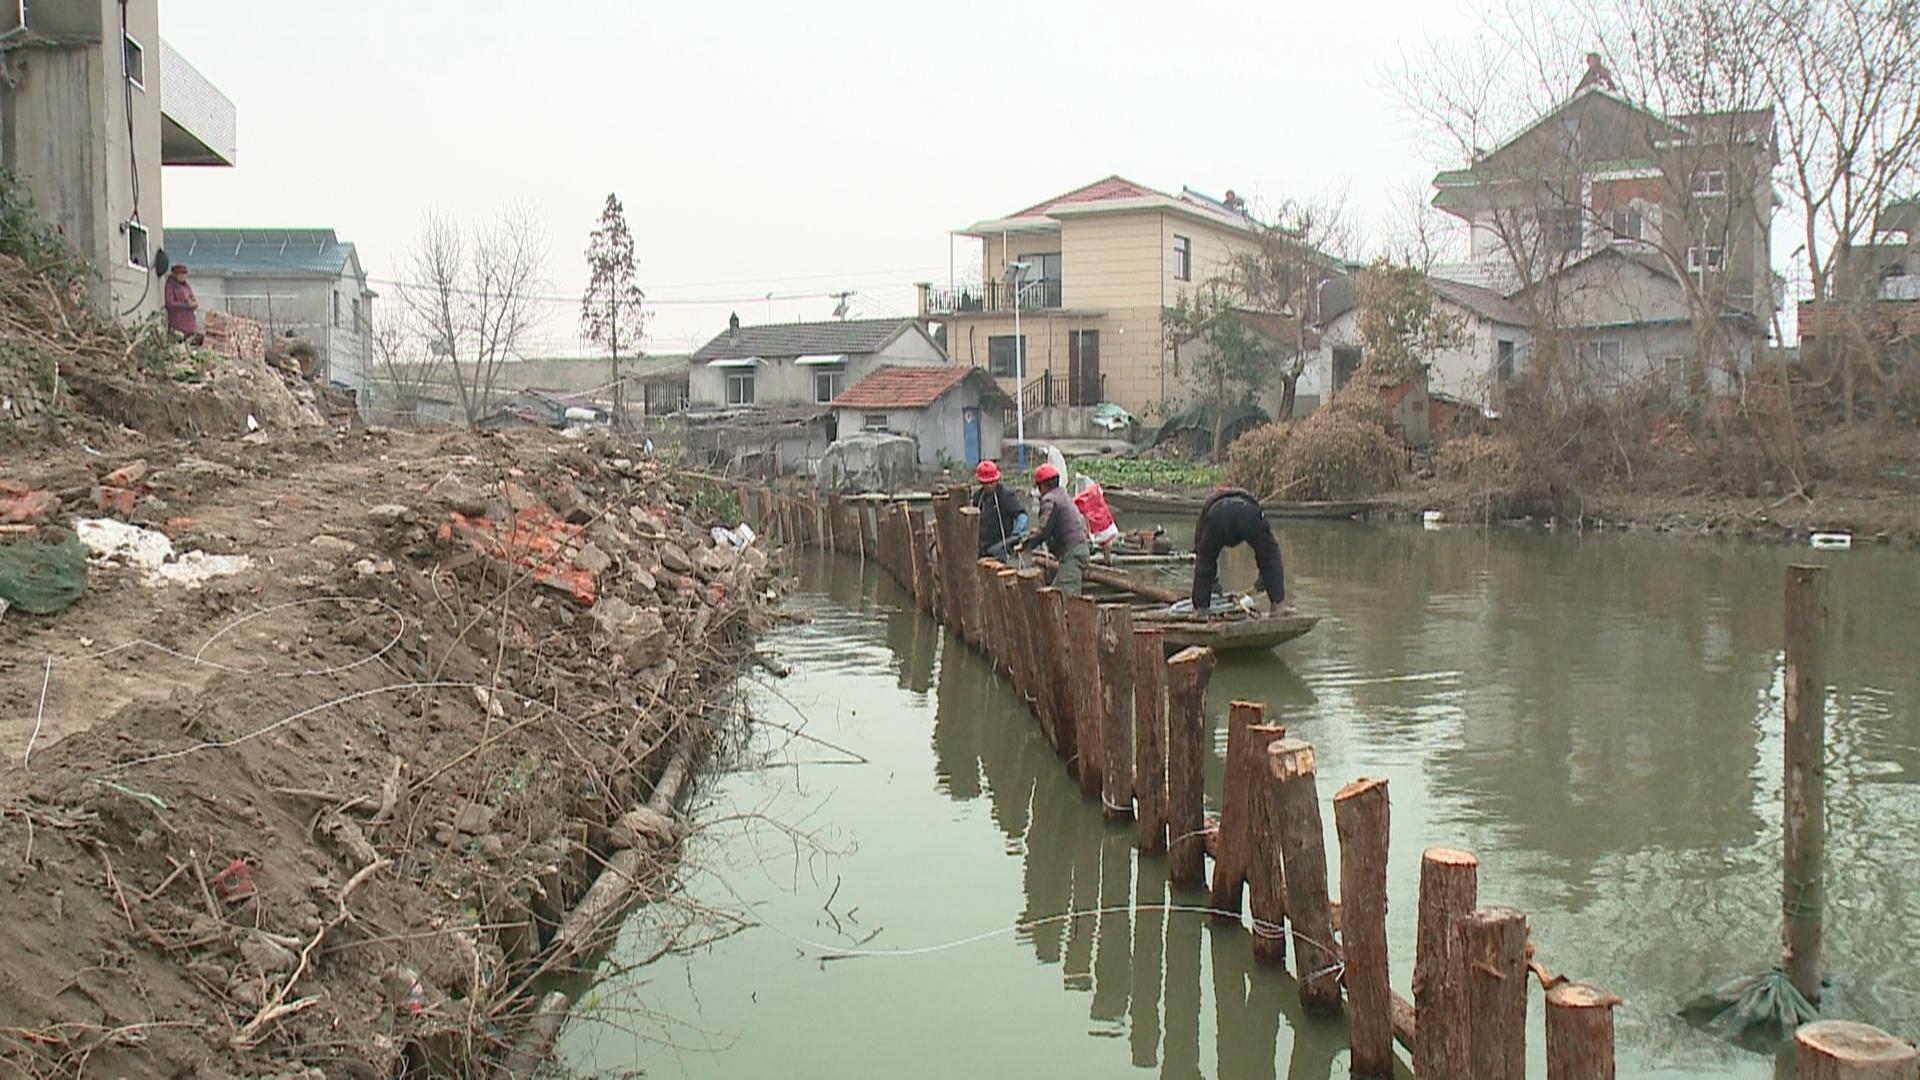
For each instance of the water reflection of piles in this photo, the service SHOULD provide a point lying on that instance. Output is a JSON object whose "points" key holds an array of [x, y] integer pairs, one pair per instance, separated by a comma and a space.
{"points": [[1131, 943]]}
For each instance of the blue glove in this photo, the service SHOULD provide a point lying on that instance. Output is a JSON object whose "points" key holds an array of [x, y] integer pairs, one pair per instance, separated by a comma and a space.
{"points": [[1020, 522]]}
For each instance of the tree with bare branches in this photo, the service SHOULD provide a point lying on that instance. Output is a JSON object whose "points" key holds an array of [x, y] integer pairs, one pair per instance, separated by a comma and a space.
{"points": [[1253, 326], [471, 295], [611, 312]]}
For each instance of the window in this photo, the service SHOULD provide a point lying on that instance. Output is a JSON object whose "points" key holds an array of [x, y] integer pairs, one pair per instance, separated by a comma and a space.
{"points": [[1569, 135], [827, 385], [1674, 370], [1562, 230], [356, 313], [1896, 283], [1605, 353], [1182, 259], [1706, 257], [1710, 182], [133, 61], [1503, 371], [336, 308], [873, 421], [1042, 267], [137, 245], [1627, 225], [1001, 359], [740, 389]]}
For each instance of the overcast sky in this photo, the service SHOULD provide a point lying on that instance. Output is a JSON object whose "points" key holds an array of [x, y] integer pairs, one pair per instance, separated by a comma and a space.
{"points": [[792, 148]]}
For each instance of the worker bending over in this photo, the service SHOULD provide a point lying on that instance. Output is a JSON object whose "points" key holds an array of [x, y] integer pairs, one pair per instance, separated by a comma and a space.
{"points": [[1062, 529], [1002, 518], [1233, 516]]}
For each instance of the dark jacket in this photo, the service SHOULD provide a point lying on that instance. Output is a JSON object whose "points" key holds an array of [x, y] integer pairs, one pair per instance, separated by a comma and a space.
{"points": [[1060, 526], [998, 507], [1220, 495]]}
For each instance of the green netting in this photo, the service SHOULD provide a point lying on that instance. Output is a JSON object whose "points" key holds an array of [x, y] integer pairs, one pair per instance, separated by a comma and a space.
{"points": [[43, 576], [1754, 1010]]}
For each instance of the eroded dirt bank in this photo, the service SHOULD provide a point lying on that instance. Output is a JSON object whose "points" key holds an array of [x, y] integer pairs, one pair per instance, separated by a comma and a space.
{"points": [[324, 816]]}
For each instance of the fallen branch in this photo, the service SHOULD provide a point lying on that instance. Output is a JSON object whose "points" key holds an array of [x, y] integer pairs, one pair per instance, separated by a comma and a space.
{"points": [[538, 1039], [248, 1036], [613, 889]]}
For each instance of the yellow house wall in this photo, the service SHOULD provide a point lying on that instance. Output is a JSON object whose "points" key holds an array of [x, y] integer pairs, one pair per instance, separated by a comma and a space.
{"points": [[1117, 268]]}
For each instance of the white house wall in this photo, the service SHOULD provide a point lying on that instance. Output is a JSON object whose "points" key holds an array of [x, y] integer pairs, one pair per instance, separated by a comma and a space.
{"points": [[1465, 372]]}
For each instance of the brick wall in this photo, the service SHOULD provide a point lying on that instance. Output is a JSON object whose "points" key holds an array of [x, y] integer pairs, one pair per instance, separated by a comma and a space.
{"points": [[235, 337]]}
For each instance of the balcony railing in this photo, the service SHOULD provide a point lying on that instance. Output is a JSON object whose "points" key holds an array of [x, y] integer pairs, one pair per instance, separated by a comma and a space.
{"points": [[994, 296], [1051, 388]]}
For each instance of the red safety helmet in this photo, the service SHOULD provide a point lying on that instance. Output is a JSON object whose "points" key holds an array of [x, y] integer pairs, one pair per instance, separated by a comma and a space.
{"points": [[987, 473], [1045, 473]]}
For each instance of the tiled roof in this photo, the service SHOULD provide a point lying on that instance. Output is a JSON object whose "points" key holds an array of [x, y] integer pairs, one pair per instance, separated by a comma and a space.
{"points": [[1482, 301], [1113, 187], [258, 251], [893, 387], [803, 339]]}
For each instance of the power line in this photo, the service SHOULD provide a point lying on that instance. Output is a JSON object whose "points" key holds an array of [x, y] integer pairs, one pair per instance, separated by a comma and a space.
{"points": [[540, 298]]}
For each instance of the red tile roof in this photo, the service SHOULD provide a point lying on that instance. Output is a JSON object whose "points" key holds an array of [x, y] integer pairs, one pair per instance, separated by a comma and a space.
{"points": [[893, 387], [1113, 187]]}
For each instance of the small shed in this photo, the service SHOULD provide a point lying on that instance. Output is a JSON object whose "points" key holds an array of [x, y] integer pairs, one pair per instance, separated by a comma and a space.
{"points": [[952, 412]]}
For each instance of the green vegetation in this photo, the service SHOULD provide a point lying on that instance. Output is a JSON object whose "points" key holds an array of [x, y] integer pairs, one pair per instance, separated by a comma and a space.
{"points": [[711, 504], [1147, 472], [29, 237]]}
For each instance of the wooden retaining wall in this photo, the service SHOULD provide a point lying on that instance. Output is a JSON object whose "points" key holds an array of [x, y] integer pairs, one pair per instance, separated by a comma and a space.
{"points": [[1130, 724]]}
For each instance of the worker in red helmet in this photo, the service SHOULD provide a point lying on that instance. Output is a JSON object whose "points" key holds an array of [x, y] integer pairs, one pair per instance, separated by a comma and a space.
{"points": [[1062, 529], [1002, 518]]}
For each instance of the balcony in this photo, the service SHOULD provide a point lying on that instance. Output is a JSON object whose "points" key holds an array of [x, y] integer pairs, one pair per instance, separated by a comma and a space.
{"points": [[994, 297], [197, 121]]}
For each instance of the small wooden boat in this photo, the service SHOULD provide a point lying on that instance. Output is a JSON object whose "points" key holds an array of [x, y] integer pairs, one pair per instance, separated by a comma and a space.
{"points": [[1225, 633], [1170, 502], [1230, 632]]}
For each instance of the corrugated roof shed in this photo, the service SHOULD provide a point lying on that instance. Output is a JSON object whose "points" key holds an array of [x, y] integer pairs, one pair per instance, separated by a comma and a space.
{"points": [[266, 252]]}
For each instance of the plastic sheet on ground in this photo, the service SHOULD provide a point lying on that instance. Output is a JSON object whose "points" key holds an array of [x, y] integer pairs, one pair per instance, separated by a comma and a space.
{"points": [[1110, 417], [42, 576], [869, 462], [152, 553]]}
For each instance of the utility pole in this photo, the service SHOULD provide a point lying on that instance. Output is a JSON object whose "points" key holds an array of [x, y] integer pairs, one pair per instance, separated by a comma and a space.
{"points": [[1015, 272]]}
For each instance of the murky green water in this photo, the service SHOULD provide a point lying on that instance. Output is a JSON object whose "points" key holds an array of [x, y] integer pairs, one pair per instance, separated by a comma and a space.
{"points": [[1597, 718]]}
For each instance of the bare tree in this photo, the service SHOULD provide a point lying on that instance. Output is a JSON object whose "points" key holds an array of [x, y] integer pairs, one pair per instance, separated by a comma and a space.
{"points": [[471, 294], [405, 371], [611, 315], [1416, 233]]}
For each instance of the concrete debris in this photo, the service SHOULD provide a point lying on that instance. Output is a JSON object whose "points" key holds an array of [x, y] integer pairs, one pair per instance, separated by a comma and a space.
{"points": [[151, 552]]}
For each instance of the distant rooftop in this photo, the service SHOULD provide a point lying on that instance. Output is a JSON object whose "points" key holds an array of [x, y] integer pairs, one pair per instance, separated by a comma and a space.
{"points": [[856, 336], [264, 252], [1118, 193]]}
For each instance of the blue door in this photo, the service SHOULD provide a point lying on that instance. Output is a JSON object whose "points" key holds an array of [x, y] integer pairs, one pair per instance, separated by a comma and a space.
{"points": [[970, 434]]}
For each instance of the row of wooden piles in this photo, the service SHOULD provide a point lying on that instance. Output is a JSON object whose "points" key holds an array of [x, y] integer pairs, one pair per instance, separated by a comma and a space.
{"points": [[1130, 725]]}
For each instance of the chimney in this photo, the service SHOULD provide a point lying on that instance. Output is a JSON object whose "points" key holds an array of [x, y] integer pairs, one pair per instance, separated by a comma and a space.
{"points": [[1596, 74], [733, 328]]}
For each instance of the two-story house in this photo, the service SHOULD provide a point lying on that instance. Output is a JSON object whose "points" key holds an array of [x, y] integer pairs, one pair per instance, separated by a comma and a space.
{"points": [[1101, 263], [1637, 241], [92, 105], [307, 282]]}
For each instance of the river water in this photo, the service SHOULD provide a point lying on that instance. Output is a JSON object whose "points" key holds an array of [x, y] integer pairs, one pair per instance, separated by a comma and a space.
{"points": [[1597, 718]]}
